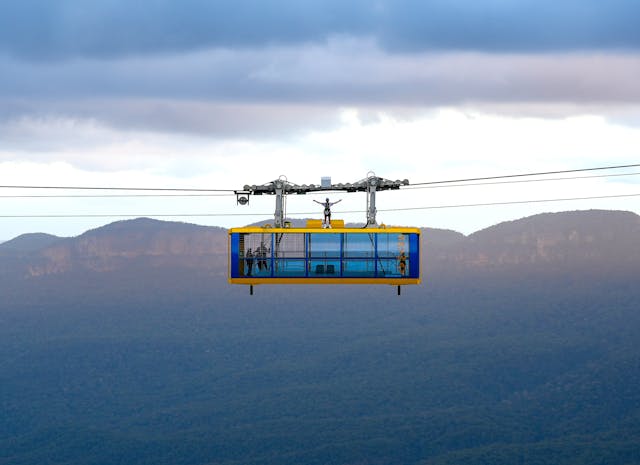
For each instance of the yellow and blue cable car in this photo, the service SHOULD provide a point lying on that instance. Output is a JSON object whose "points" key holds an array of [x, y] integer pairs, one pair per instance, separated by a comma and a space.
{"points": [[322, 253], [314, 255]]}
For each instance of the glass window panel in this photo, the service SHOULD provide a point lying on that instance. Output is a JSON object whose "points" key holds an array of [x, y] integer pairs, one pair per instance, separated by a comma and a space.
{"points": [[359, 245], [290, 267], [359, 268], [324, 245], [324, 268], [289, 245], [262, 267], [392, 268], [254, 254], [248, 266], [392, 245], [259, 243]]}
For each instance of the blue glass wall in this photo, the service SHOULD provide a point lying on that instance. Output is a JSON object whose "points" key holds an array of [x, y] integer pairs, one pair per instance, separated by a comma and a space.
{"points": [[325, 255]]}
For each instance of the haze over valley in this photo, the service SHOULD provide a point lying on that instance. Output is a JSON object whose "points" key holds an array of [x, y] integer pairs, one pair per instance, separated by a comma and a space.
{"points": [[125, 344]]}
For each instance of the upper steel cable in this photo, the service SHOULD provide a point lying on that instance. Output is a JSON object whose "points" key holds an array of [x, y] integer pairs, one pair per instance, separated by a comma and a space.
{"points": [[431, 207], [177, 189], [520, 175]]}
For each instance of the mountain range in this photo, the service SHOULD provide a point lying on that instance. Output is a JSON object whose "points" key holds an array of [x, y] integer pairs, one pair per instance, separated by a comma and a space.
{"points": [[126, 345], [604, 239]]}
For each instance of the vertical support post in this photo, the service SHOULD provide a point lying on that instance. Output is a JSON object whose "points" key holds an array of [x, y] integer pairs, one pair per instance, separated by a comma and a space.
{"points": [[372, 183], [306, 255], [342, 239], [251, 289], [398, 289], [274, 255], [279, 215], [375, 254]]}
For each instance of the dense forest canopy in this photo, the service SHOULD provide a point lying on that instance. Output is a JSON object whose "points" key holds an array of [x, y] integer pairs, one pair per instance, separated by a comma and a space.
{"points": [[535, 364]]}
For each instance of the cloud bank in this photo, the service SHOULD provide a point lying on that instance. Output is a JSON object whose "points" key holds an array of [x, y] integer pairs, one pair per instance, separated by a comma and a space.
{"points": [[247, 68], [66, 29], [289, 89]]}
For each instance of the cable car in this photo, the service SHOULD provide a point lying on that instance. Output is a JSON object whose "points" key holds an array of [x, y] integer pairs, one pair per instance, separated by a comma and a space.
{"points": [[324, 251]]}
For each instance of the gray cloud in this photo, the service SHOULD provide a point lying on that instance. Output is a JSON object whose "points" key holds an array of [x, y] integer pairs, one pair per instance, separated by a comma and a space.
{"points": [[65, 29], [60, 29], [262, 69], [343, 73], [22, 123]]}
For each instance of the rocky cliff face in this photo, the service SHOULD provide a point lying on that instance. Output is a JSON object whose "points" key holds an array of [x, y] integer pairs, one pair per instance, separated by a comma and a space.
{"points": [[605, 237], [595, 237], [136, 243], [592, 239]]}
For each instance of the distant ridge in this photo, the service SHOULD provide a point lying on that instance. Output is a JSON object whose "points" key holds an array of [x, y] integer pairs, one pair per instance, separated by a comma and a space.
{"points": [[147, 225], [589, 240], [603, 220], [139, 243], [26, 243], [609, 237]]}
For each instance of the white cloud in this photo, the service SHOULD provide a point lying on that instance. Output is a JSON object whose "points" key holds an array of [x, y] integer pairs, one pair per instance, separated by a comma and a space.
{"points": [[446, 144]]}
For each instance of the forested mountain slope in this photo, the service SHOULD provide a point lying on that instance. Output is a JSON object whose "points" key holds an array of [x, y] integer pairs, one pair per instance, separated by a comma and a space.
{"points": [[492, 361]]}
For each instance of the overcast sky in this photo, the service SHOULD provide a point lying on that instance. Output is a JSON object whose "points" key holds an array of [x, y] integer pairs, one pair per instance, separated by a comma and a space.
{"points": [[218, 94]]}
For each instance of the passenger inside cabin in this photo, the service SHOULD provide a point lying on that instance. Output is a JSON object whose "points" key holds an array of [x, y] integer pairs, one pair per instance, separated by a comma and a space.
{"points": [[249, 258], [262, 256], [402, 263]]}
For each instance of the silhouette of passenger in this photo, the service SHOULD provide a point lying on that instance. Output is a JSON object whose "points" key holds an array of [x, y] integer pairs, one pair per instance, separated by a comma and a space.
{"points": [[327, 211], [249, 258]]}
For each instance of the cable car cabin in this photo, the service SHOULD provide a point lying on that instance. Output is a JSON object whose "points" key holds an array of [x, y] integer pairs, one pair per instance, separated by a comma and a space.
{"points": [[313, 255]]}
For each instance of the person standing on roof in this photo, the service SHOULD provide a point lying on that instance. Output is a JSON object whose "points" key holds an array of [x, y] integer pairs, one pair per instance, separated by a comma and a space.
{"points": [[327, 211]]}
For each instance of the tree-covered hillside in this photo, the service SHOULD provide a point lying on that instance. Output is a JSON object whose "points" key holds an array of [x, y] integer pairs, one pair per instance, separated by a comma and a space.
{"points": [[180, 368]]}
